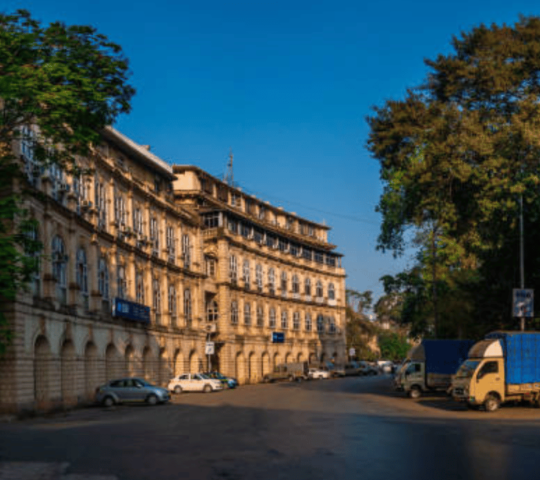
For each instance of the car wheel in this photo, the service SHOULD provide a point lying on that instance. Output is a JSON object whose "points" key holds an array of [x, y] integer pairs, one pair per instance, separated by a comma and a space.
{"points": [[266, 379], [415, 393], [108, 402], [291, 378], [178, 389], [207, 389], [152, 400], [492, 403], [320, 377]]}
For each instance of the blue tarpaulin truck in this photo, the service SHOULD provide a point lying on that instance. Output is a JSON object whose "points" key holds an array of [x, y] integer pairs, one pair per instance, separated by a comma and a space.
{"points": [[503, 367], [430, 366]]}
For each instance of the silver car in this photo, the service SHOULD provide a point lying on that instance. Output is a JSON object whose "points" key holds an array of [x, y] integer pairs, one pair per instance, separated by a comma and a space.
{"points": [[126, 390]]}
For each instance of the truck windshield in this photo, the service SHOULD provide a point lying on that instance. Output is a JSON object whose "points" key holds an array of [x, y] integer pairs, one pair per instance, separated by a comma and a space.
{"points": [[467, 369]]}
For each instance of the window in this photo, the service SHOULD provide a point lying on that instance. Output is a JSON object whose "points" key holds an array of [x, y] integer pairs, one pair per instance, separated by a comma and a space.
{"points": [[138, 221], [121, 284], [294, 249], [156, 295], [320, 323], [212, 311], [119, 210], [247, 313], [212, 220], [58, 183], [172, 300], [289, 223], [103, 278], [284, 320], [186, 250], [210, 266], [271, 241], [233, 269], [246, 230], [306, 253], [296, 321], [330, 260], [234, 312], [258, 236], [28, 142], [187, 307], [272, 318], [170, 243], [271, 281], [332, 325], [259, 276], [246, 272], [319, 257], [283, 245], [139, 287], [319, 289], [236, 200], [32, 250], [308, 322], [154, 235], [307, 286], [311, 232], [232, 225], [295, 284], [488, 367], [262, 212], [331, 292], [101, 203], [284, 282], [260, 316], [81, 275]]}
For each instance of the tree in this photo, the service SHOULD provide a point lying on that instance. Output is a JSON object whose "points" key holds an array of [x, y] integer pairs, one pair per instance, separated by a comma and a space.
{"points": [[67, 81], [359, 328], [457, 153]]}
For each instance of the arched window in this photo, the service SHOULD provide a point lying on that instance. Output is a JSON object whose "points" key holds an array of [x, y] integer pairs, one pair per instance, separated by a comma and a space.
{"points": [[308, 322], [307, 286], [295, 284], [284, 282], [121, 283], [59, 264], [332, 325], [260, 316], [296, 321], [233, 269], [272, 318], [271, 281], [138, 221], [100, 194], [154, 236], [212, 314], [170, 243], [156, 295], [284, 320], [320, 323], [247, 272], [187, 307], [331, 291], [186, 250], [103, 278], [319, 289], [139, 287], [247, 313], [172, 300], [259, 276], [234, 312], [81, 275], [32, 249]]}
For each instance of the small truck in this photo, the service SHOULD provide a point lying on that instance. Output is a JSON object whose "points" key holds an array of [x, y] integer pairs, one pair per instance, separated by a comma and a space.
{"points": [[503, 367], [430, 365], [288, 371]]}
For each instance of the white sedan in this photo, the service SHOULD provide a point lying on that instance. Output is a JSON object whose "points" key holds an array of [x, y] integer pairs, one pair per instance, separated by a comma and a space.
{"points": [[194, 382], [316, 373]]}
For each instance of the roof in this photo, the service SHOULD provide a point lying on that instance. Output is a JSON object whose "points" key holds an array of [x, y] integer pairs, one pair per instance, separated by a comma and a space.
{"points": [[138, 152]]}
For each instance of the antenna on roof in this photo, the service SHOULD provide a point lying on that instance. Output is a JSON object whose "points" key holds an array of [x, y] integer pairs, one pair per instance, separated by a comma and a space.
{"points": [[229, 176]]}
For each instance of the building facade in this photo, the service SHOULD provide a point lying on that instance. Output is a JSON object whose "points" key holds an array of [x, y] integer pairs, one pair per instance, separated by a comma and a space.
{"points": [[143, 264]]}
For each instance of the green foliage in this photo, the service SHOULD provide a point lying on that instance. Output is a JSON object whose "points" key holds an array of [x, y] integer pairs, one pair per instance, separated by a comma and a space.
{"points": [[455, 154], [394, 346], [69, 81], [359, 327]]}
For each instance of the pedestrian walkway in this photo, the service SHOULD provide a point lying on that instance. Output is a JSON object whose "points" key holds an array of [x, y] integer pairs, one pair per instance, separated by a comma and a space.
{"points": [[44, 471]]}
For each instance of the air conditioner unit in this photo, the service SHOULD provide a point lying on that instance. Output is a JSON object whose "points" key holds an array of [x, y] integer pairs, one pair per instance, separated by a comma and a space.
{"points": [[210, 328]]}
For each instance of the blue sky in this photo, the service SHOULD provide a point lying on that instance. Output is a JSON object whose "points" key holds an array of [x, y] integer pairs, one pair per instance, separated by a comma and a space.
{"points": [[287, 86]]}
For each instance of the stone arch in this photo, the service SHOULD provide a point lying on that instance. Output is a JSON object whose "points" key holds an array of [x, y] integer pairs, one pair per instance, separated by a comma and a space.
{"points": [[179, 368], [313, 358], [253, 368], [276, 360], [68, 366], [265, 364], [288, 357], [194, 362], [42, 371], [113, 363], [164, 368], [300, 357], [149, 364], [240, 367], [91, 373], [129, 361]]}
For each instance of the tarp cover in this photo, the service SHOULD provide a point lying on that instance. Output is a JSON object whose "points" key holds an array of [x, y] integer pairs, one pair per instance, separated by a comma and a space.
{"points": [[522, 353], [445, 356]]}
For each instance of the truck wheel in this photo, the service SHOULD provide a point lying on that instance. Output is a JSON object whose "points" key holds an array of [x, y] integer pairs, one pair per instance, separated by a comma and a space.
{"points": [[415, 393], [492, 403], [291, 378]]}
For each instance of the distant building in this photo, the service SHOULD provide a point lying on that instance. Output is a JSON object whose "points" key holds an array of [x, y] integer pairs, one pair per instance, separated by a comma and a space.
{"points": [[143, 263]]}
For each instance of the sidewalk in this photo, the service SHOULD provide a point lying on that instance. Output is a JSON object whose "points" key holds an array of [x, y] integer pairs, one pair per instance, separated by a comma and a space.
{"points": [[44, 471]]}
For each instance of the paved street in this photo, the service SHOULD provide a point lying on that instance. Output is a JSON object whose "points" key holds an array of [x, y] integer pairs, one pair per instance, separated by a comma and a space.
{"points": [[345, 428]]}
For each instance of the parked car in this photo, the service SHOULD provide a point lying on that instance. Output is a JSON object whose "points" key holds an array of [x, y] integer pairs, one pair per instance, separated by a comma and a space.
{"points": [[335, 370], [228, 382], [352, 368], [194, 382], [127, 390], [367, 368], [318, 373], [385, 366], [288, 371]]}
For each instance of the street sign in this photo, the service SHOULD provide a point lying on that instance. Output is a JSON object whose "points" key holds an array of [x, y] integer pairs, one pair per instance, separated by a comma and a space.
{"points": [[278, 337], [209, 348], [523, 305], [352, 352]]}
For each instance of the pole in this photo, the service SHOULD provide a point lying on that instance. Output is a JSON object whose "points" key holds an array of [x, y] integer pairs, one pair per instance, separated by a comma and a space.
{"points": [[521, 255]]}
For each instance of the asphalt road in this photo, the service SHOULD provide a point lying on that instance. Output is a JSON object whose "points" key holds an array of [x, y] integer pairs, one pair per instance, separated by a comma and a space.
{"points": [[346, 428]]}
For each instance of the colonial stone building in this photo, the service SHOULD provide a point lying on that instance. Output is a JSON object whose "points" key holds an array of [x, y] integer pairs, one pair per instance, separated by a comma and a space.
{"points": [[144, 263]]}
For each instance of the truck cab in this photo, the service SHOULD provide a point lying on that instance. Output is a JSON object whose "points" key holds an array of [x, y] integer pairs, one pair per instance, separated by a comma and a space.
{"points": [[411, 378], [481, 378]]}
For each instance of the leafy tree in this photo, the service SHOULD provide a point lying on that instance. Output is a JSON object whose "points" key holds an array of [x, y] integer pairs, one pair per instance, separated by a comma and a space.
{"points": [[394, 346], [68, 81], [359, 328], [456, 154]]}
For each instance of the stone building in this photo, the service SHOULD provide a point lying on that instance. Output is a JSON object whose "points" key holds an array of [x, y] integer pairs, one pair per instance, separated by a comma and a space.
{"points": [[144, 263]]}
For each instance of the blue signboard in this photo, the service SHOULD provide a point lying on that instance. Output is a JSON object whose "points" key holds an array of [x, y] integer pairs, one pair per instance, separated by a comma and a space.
{"points": [[278, 337], [131, 310]]}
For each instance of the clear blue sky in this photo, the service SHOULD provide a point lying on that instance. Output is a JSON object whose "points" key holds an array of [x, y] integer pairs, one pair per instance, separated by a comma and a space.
{"points": [[287, 85]]}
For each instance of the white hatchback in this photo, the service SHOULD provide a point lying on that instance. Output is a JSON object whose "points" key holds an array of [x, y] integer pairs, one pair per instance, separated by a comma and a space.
{"points": [[317, 373], [194, 382]]}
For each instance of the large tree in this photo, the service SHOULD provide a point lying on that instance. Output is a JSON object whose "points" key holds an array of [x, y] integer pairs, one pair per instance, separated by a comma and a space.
{"points": [[457, 154], [67, 81]]}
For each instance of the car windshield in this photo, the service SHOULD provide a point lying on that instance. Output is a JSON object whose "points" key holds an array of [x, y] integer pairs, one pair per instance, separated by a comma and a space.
{"points": [[203, 375], [467, 369], [219, 375], [142, 382]]}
